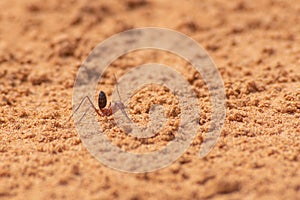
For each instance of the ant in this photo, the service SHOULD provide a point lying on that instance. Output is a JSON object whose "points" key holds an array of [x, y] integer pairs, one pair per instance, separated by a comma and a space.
{"points": [[102, 102]]}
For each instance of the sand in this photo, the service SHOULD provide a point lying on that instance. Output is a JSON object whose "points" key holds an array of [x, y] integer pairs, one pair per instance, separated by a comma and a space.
{"points": [[256, 47]]}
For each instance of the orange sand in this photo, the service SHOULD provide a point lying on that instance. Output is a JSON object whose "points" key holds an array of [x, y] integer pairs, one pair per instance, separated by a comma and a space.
{"points": [[256, 46]]}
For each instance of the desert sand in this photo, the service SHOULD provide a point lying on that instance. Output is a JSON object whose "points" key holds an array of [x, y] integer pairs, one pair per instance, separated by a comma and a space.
{"points": [[255, 46]]}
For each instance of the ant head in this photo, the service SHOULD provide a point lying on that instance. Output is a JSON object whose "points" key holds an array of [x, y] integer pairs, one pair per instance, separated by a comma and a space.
{"points": [[102, 100]]}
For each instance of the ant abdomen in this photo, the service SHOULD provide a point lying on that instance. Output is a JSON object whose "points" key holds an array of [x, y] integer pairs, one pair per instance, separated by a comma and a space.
{"points": [[102, 100]]}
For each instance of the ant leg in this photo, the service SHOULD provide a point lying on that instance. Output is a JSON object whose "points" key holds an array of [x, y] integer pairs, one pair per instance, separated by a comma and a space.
{"points": [[117, 87], [83, 115], [120, 105], [84, 98]]}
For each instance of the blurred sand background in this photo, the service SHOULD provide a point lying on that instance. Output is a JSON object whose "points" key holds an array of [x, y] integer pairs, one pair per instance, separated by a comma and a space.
{"points": [[256, 47]]}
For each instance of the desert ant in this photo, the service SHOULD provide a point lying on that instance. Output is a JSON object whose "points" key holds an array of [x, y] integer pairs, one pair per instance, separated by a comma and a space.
{"points": [[102, 102]]}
